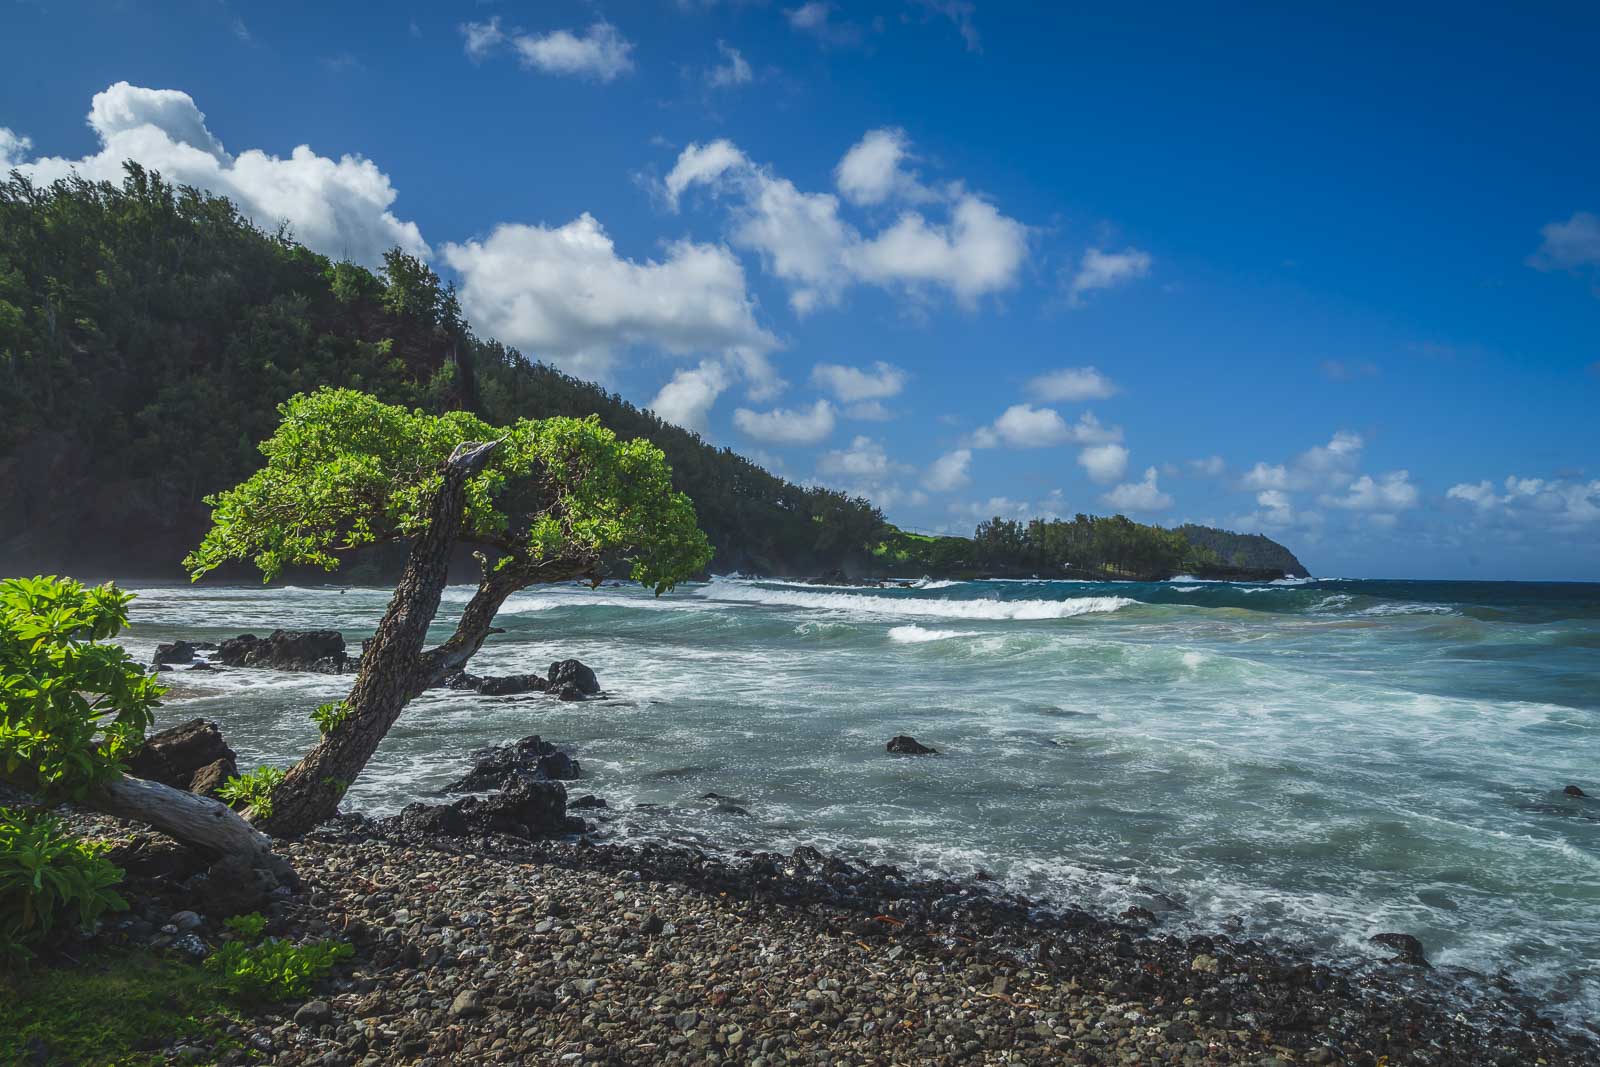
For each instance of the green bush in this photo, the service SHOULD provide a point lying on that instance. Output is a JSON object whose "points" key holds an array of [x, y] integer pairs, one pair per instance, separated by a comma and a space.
{"points": [[47, 874], [275, 969], [253, 790], [329, 716], [72, 707], [247, 927]]}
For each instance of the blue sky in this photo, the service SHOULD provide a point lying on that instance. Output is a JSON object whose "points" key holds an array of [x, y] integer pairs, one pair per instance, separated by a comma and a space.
{"points": [[1334, 277]]}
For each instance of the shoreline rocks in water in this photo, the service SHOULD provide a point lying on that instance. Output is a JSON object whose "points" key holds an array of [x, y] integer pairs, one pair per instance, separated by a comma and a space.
{"points": [[494, 768], [313, 651], [567, 679], [906, 745]]}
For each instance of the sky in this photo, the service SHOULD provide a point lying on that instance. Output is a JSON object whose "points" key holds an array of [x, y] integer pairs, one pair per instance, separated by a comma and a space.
{"points": [[1332, 276]]}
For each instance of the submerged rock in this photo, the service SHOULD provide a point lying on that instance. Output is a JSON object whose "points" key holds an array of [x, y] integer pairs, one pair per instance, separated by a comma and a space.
{"points": [[495, 685], [191, 756], [1407, 948], [906, 745], [1574, 791], [318, 651], [178, 652]]}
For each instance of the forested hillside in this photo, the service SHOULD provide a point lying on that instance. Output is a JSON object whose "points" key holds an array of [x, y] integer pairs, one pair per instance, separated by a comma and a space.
{"points": [[148, 333]]}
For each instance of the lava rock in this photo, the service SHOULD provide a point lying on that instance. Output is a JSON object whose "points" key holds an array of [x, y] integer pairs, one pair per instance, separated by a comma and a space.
{"points": [[494, 768], [441, 819], [313, 1014], [1407, 948], [1574, 791], [527, 806], [495, 685], [178, 652], [906, 745], [570, 671], [587, 801], [231, 887], [208, 780], [184, 755], [317, 651]]}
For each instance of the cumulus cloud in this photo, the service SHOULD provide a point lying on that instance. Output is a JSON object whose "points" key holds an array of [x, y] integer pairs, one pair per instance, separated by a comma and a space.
{"points": [[1071, 384], [1329, 466], [949, 471], [873, 170], [1100, 269], [1389, 492], [1208, 466], [1104, 463], [733, 70], [1025, 426], [599, 52], [1569, 245], [1144, 495], [339, 207], [804, 241], [781, 426], [864, 460], [687, 399], [852, 384], [564, 294], [1558, 502], [869, 411]]}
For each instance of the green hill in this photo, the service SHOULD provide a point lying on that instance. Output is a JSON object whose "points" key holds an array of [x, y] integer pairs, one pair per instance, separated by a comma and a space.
{"points": [[148, 332]]}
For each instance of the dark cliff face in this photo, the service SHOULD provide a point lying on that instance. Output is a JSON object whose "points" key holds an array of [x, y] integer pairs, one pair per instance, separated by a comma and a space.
{"points": [[1246, 553]]}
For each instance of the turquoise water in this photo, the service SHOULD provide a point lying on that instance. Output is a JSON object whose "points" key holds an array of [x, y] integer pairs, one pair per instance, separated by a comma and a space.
{"points": [[1321, 760]]}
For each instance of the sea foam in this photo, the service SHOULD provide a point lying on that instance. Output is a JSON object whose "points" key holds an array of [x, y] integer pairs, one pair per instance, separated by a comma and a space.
{"points": [[906, 607], [916, 635]]}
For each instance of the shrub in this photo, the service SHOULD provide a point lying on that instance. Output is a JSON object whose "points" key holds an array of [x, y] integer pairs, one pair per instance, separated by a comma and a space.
{"points": [[247, 927], [275, 969], [253, 790], [47, 874], [72, 707], [329, 716]]}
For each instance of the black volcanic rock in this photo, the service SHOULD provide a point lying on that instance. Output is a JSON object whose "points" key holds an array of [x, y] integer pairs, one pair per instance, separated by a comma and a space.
{"points": [[571, 672], [906, 745], [184, 755], [317, 651], [1574, 791]]}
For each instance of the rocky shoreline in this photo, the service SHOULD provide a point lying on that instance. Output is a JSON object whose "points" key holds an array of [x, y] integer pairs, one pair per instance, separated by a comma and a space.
{"points": [[488, 948]]}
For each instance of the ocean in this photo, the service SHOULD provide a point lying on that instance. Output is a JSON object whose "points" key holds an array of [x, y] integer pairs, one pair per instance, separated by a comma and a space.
{"points": [[1307, 761]]}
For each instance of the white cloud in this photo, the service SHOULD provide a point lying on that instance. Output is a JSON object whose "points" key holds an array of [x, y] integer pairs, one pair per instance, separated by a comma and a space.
{"points": [[1104, 270], [1209, 466], [869, 411], [805, 426], [850, 384], [1071, 384], [1105, 463], [733, 70], [1329, 466], [1569, 245], [1390, 492], [599, 52], [803, 240], [816, 18], [13, 148], [1145, 495], [687, 399], [1560, 503], [873, 172], [960, 13], [1025, 426], [949, 471], [337, 207], [565, 295], [864, 460]]}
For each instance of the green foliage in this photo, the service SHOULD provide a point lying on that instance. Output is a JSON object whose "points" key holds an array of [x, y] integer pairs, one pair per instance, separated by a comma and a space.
{"points": [[329, 716], [253, 790], [72, 706], [107, 1008], [246, 927], [557, 496], [1214, 547], [46, 875], [149, 333], [274, 969]]}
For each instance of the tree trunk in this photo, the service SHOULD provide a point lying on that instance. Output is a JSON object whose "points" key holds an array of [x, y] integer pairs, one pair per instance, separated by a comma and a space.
{"points": [[393, 668], [208, 826], [477, 618]]}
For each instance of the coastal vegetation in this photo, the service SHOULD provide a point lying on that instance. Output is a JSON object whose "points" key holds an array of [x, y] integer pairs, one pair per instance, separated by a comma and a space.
{"points": [[149, 332]]}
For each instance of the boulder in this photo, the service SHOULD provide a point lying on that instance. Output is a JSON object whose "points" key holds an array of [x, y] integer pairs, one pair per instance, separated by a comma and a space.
{"points": [[528, 806], [1574, 791], [319, 651], [495, 685], [566, 691], [231, 887], [183, 755], [212, 777], [906, 745], [177, 652], [494, 768], [570, 671], [440, 819], [1407, 949]]}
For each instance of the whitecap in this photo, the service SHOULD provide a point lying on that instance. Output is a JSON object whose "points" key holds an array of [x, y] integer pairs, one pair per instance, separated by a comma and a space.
{"points": [[856, 603], [916, 635]]}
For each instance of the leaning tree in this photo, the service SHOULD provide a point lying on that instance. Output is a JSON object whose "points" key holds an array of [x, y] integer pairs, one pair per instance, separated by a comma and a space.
{"points": [[539, 501]]}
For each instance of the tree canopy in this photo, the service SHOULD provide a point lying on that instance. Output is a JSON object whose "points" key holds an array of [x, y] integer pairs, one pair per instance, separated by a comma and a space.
{"points": [[344, 470]]}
